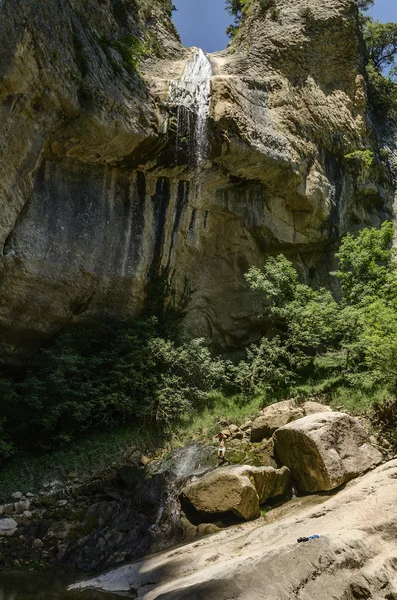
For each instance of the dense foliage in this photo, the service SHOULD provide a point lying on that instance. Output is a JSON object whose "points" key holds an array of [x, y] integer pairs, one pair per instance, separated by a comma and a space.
{"points": [[139, 372], [381, 42], [105, 374], [360, 329]]}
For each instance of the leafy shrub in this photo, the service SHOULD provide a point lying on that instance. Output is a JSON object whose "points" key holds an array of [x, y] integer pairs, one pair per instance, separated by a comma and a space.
{"points": [[308, 323], [364, 5], [385, 153], [364, 157], [382, 92], [266, 368], [103, 374], [240, 8], [265, 5], [359, 162], [308, 318], [237, 9], [275, 13], [232, 31], [366, 267]]}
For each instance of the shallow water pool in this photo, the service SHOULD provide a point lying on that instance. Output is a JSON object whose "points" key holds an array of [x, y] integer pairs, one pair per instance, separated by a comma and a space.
{"points": [[44, 586]]}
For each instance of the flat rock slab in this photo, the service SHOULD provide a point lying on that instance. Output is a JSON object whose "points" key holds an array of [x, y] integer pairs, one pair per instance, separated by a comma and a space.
{"points": [[281, 413], [240, 490], [325, 450], [8, 527], [355, 554]]}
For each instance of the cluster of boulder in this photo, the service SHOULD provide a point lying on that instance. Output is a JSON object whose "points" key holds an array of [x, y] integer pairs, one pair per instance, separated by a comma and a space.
{"points": [[26, 515], [100, 522], [316, 450], [20, 507]]}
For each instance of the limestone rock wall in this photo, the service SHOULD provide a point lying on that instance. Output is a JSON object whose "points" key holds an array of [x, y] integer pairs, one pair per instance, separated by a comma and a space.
{"points": [[98, 188]]}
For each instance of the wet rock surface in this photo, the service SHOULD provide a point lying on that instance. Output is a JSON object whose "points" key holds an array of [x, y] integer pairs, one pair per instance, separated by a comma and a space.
{"points": [[129, 512], [149, 504]]}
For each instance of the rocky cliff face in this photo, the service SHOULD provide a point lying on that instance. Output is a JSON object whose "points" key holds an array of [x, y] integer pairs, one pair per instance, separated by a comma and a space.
{"points": [[106, 176]]}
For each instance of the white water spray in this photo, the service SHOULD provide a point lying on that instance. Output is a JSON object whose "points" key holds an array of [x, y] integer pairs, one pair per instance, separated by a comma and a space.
{"points": [[192, 94]]}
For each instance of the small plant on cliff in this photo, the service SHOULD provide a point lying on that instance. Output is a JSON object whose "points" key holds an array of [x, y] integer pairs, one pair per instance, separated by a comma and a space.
{"points": [[275, 13], [237, 9], [364, 5], [360, 161], [265, 5], [307, 14], [241, 8], [147, 7], [132, 50]]}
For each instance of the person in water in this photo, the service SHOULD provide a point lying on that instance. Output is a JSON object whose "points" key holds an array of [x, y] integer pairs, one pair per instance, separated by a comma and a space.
{"points": [[221, 449]]}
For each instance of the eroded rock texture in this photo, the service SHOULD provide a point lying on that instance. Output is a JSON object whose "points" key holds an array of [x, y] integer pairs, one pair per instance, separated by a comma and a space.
{"points": [[100, 186]]}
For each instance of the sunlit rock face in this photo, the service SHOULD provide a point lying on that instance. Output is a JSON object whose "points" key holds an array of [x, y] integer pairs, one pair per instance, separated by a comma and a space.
{"points": [[200, 165]]}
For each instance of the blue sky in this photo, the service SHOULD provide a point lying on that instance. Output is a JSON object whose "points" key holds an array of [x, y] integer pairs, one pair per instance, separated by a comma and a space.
{"points": [[203, 22]]}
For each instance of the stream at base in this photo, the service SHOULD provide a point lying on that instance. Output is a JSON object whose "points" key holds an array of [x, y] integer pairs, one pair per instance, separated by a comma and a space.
{"points": [[45, 586]]}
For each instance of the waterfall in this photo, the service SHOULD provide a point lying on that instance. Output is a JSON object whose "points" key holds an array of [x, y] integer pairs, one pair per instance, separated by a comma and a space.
{"points": [[191, 95]]}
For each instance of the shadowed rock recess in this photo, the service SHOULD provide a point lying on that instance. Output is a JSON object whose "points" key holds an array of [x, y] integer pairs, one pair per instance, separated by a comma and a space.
{"points": [[109, 173]]}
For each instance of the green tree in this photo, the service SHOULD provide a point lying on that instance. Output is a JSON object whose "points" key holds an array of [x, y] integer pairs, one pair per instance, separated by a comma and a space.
{"points": [[364, 5], [235, 9], [307, 317], [376, 344], [307, 323], [366, 268], [103, 374], [304, 322], [381, 40]]}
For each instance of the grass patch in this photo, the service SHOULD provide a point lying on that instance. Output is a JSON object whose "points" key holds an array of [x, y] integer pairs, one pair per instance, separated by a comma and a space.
{"points": [[330, 385], [325, 383], [236, 409]]}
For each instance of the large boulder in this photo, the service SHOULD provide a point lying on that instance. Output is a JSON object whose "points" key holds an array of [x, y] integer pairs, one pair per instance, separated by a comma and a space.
{"points": [[324, 450], [240, 490], [7, 527], [279, 414]]}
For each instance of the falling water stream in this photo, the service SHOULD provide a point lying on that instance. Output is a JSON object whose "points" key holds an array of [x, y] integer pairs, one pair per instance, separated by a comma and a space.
{"points": [[191, 95]]}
